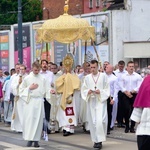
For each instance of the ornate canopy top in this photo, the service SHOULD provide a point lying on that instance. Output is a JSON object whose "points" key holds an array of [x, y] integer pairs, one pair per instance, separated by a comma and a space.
{"points": [[66, 7], [65, 29]]}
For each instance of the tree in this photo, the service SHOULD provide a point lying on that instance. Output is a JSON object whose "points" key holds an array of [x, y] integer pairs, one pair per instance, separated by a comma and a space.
{"points": [[31, 10]]}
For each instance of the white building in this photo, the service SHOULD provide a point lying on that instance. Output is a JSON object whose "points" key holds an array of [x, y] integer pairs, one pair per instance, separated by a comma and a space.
{"points": [[130, 33]]}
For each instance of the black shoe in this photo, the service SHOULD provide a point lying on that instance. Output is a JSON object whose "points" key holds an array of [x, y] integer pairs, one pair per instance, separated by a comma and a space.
{"points": [[108, 131], [36, 144], [98, 145], [132, 130], [120, 125], [126, 130], [111, 128], [29, 144], [65, 133]]}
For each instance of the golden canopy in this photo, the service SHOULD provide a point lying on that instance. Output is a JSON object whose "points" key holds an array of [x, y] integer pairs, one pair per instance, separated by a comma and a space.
{"points": [[65, 29]]}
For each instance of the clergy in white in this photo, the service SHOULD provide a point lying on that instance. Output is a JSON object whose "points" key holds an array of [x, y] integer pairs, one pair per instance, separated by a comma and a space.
{"points": [[17, 116], [95, 91], [32, 90]]}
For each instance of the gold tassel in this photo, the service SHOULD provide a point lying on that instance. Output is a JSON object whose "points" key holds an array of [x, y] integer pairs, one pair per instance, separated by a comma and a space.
{"points": [[13, 116]]}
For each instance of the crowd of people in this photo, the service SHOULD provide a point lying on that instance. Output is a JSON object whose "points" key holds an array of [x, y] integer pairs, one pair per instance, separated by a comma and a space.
{"points": [[54, 98]]}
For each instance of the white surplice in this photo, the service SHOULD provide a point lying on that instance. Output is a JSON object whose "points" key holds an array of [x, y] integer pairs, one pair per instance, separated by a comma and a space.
{"points": [[33, 113], [96, 105], [54, 98], [83, 110]]}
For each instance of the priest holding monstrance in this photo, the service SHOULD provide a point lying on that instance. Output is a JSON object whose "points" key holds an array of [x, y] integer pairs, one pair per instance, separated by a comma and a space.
{"points": [[67, 85], [95, 91]]}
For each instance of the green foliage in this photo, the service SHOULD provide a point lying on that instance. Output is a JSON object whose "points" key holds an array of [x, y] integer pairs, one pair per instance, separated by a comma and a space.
{"points": [[31, 10]]}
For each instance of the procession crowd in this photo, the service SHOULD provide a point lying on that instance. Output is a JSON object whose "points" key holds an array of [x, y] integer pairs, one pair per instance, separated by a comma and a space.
{"points": [[52, 98]]}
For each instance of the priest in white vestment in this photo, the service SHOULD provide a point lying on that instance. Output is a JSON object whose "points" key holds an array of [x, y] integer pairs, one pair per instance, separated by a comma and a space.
{"points": [[67, 85], [17, 115], [95, 91], [32, 90]]}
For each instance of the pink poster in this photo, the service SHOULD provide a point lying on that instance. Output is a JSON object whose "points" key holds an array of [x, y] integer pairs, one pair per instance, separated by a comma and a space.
{"points": [[25, 46], [26, 57]]}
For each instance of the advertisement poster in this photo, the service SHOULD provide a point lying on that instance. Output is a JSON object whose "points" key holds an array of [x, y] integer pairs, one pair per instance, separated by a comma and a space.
{"points": [[100, 22], [61, 50], [4, 51], [102, 52], [41, 50], [25, 45]]}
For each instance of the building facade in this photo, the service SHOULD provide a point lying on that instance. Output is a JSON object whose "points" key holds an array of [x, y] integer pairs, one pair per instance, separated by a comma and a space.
{"points": [[54, 8]]}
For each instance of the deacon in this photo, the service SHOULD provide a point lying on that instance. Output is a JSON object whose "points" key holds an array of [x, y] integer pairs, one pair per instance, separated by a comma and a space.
{"points": [[32, 90], [95, 91]]}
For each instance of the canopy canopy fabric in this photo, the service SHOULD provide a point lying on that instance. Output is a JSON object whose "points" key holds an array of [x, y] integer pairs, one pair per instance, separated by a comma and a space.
{"points": [[65, 29]]}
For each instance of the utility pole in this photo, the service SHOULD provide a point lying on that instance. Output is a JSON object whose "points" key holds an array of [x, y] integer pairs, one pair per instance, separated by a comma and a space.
{"points": [[20, 50]]}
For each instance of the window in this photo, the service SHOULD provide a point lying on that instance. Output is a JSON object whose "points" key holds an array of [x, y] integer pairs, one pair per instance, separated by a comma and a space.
{"points": [[97, 3], [90, 3]]}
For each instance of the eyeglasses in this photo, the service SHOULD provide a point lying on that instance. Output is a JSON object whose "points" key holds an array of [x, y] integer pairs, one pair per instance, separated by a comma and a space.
{"points": [[53, 68]]}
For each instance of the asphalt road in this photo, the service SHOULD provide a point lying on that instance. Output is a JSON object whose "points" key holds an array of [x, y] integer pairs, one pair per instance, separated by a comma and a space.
{"points": [[79, 141]]}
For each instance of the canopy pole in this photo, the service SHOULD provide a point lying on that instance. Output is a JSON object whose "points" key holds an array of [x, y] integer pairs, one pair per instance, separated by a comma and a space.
{"points": [[98, 58], [47, 51], [85, 56], [41, 52]]}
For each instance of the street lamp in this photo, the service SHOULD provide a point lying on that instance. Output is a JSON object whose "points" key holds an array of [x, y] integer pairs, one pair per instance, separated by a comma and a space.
{"points": [[47, 43], [20, 51]]}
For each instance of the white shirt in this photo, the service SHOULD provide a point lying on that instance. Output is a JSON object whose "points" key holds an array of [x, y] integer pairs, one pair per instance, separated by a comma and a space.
{"points": [[6, 89], [113, 85], [130, 82], [48, 75], [2, 79], [119, 74], [12, 80]]}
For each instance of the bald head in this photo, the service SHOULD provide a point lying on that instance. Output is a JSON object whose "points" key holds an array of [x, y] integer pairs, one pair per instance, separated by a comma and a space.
{"points": [[109, 69]]}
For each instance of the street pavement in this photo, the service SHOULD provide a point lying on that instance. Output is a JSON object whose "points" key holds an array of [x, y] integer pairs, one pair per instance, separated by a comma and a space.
{"points": [[117, 140]]}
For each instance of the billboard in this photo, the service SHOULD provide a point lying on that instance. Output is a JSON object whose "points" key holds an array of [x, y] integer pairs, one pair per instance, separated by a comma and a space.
{"points": [[4, 50], [25, 45], [61, 50], [41, 50], [101, 23]]}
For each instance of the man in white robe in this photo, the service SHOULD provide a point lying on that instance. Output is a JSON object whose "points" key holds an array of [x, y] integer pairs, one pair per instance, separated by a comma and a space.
{"points": [[83, 104], [54, 98], [32, 90], [17, 116], [95, 91]]}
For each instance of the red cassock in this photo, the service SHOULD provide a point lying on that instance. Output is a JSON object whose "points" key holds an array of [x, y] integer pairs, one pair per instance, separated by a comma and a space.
{"points": [[143, 97]]}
